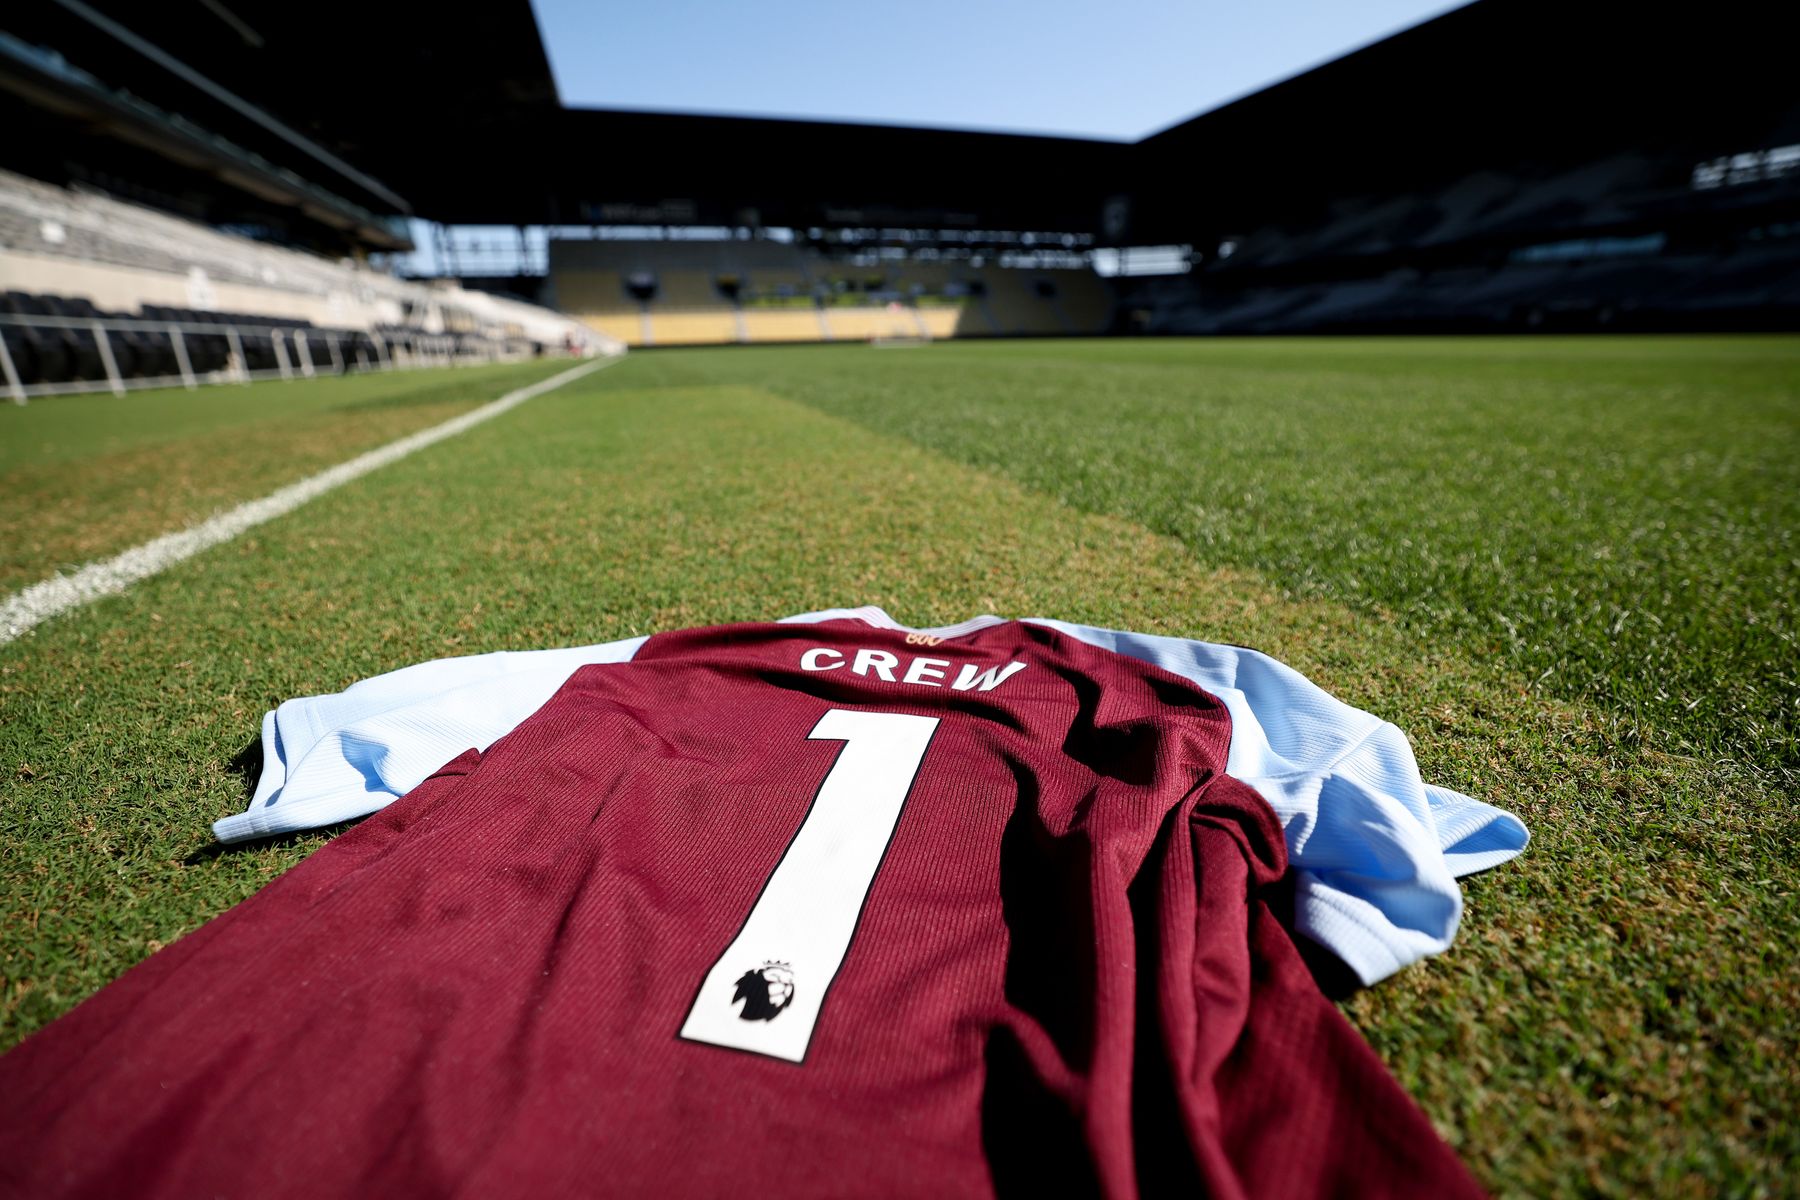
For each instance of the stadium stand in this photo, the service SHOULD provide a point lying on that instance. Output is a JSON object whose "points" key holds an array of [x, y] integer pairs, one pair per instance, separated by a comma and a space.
{"points": [[713, 292], [103, 293], [1085, 302], [1599, 198], [1011, 306], [1615, 243], [72, 229], [679, 290], [590, 291], [1057, 301]]}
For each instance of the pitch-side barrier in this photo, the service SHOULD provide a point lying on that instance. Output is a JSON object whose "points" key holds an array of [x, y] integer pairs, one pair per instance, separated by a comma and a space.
{"points": [[292, 347]]}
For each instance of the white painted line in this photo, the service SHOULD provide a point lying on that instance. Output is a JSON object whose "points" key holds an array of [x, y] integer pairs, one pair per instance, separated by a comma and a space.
{"points": [[41, 601]]}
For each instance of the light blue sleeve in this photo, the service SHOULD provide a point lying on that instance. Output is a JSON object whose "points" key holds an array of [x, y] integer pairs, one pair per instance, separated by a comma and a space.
{"points": [[333, 758], [1375, 850]]}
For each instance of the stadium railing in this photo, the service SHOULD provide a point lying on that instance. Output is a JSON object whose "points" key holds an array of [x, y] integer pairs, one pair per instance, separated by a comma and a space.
{"points": [[69, 355], [125, 262]]}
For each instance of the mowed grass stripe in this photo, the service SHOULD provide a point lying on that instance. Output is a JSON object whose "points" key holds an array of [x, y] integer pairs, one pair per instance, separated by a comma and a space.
{"points": [[82, 477], [43, 601], [1604, 1024], [1612, 519]]}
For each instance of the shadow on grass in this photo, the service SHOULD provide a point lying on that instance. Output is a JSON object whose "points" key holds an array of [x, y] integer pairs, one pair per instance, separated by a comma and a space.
{"points": [[215, 849], [247, 765]]}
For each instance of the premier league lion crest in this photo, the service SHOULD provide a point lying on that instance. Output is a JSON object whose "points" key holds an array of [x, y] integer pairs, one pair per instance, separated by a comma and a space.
{"points": [[765, 991]]}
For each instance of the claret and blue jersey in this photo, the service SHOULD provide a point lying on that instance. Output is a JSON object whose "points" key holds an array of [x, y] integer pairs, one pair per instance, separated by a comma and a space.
{"points": [[862, 908], [1374, 850]]}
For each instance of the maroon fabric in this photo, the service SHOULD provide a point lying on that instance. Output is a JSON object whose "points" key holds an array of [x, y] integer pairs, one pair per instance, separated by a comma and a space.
{"points": [[1064, 975]]}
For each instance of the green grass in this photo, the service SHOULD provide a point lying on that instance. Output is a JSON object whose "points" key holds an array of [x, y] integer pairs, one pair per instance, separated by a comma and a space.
{"points": [[1616, 519], [86, 476], [70, 428], [1617, 1016]]}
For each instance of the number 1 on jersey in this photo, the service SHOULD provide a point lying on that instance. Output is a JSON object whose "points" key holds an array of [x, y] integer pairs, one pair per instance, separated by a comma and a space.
{"points": [[765, 992]]}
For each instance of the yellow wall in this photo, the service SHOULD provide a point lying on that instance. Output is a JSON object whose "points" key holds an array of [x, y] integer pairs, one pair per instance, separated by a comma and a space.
{"points": [[627, 327], [782, 324], [940, 322], [861, 324], [693, 328]]}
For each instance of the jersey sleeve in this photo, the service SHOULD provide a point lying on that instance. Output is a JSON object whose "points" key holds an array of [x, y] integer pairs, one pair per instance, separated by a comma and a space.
{"points": [[334, 758], [1375, 851]]}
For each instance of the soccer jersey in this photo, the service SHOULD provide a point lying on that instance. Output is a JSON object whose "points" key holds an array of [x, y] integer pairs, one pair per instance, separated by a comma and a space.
{"points": [[1374, 851], [824, 907]]}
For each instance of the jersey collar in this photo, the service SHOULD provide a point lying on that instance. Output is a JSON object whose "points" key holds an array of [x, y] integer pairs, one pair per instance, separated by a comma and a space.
{"points": [[869, 614]]}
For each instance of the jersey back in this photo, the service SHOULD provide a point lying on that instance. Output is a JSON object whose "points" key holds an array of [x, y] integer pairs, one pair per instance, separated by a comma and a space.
{"points": [[822, 908]]}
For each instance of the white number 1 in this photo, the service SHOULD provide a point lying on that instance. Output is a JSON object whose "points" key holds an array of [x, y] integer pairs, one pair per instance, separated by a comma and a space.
{"points": [[764, 993]]}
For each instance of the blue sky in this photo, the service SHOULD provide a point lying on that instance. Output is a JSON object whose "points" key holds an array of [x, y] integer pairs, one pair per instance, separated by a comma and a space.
{"points": [[1117, 70]]}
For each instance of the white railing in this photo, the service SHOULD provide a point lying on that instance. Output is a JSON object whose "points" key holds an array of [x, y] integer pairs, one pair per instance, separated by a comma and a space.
{"points": [[291, 346]]}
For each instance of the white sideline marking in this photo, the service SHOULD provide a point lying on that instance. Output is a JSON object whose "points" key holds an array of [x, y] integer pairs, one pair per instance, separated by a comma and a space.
{"points": [[41, 601]]}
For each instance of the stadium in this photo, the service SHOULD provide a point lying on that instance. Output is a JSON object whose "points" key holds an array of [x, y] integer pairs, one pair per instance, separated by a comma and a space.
{"points": [[1403, 455]]}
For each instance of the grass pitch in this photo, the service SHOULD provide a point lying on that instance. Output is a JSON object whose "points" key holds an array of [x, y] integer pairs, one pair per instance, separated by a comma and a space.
{"points": [[1565, 567], [86, 476]]}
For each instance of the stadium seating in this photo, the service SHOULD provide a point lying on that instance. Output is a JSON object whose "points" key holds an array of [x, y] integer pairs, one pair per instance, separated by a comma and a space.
{"points": [[60, 343], [71, 258], [1751, 283], [1085, 304], [590, 291], [1346, 305], [1610, 243], [718, 292], [680, 290], [1047, 301]]}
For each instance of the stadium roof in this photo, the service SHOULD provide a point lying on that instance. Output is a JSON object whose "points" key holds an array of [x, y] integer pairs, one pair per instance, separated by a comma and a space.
{"points": [[1508, 85], [397, 106]]}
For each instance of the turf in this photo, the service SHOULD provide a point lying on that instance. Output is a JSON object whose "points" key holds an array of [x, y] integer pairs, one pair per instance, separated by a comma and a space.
{"points": [[85, 476], [1616, 519], [1616, 1017]]}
